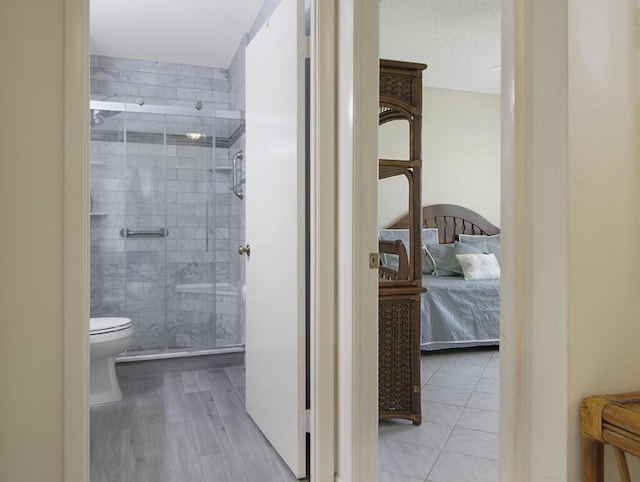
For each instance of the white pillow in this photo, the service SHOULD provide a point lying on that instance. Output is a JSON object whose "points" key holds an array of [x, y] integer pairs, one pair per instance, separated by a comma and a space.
{"points": [[479, 266]]}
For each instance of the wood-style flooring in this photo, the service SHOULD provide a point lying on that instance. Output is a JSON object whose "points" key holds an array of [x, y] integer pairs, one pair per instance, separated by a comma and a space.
{"points": [[180, 426]]}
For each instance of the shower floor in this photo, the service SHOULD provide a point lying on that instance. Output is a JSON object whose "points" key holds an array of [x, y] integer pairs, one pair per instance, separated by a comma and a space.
{"points": [[174, 426]]}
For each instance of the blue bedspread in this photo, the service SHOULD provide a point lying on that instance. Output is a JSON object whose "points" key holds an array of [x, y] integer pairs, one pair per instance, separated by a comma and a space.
{"points": [[457, 313]]}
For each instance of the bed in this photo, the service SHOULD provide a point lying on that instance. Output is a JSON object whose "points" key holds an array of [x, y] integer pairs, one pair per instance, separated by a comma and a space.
{"points": [[455, 312]]}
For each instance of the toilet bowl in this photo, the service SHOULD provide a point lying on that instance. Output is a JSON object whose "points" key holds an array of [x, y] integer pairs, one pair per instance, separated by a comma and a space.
{"points": [[108, 338]]}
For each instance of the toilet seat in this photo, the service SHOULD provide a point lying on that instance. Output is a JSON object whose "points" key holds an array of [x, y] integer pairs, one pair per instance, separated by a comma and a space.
{"points": [[99, 326]]}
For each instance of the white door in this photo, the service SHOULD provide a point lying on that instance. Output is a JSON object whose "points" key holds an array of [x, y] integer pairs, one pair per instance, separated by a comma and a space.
{"points": [[275, 221]]}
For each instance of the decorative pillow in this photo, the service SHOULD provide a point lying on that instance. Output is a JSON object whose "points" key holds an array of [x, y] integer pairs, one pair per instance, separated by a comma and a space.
{"points": [[479, 266], [494, 249], [479, 238], [429, 236], [438, 258], [488, 244], [461, 248]]}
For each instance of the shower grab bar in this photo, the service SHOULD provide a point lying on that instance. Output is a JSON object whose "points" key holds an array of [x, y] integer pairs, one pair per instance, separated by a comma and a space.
{"points": [[132, 233], [235, 184]]}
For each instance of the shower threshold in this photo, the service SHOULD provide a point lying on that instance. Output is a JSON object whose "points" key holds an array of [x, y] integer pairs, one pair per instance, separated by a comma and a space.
{"points": [[165, 355], [225, 289]]}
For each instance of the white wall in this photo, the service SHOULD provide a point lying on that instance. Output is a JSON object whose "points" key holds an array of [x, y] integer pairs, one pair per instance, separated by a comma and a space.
{"points": [[460, 151]]}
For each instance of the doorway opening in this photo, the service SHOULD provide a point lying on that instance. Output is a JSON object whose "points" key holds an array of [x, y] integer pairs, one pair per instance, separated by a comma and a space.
{"points": [[190, 191], [461, 161]]}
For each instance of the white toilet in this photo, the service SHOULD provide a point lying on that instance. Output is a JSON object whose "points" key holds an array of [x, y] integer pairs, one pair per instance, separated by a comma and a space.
{"points": [[108, 337]]}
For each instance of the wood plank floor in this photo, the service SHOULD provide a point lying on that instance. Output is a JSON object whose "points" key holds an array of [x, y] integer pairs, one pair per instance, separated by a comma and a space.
{"points": [[181, 426]]}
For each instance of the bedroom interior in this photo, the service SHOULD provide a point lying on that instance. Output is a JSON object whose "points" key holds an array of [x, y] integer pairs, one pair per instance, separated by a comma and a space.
{"points": [[452, 433]]}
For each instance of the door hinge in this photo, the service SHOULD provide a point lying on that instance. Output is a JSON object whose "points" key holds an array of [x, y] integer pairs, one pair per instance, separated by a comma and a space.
{"points": [[374, 260], [307, 424], [304, 48]]}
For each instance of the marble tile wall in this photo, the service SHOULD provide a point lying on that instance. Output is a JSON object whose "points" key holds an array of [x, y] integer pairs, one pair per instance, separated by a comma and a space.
{"points": [[147, 185], [161, 83]]}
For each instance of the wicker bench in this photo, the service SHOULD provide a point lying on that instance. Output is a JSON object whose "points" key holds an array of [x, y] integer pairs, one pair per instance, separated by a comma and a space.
{"points": [[612, 420]]}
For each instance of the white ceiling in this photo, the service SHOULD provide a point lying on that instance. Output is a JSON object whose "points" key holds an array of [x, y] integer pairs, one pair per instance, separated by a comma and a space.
{"points": [[458, 39], [193, 32]]}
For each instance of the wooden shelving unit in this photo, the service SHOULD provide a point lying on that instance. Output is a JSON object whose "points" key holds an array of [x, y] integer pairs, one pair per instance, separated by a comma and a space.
{"points": [[399, 299]]}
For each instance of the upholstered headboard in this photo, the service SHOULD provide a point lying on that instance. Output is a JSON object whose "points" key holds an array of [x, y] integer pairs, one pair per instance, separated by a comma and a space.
{"points": [[451, 220]]}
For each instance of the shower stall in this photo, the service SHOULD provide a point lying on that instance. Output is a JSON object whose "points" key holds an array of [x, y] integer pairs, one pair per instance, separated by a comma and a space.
{"points": [[166, 221]]}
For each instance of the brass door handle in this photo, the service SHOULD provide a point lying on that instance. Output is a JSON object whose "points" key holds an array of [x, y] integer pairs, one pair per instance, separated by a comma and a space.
{"points": [[245, 250]]}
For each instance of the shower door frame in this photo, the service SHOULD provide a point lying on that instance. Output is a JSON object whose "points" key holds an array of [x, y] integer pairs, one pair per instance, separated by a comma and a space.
{"points": [[214, 114], [211, 113]]}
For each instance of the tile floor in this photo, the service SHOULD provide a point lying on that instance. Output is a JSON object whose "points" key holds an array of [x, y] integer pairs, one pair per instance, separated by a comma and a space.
{"points": [[458, 438], [175, 422]]}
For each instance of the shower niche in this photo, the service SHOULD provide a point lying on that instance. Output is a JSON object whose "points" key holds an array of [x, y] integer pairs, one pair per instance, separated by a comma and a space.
{"points": [[164, 223]]}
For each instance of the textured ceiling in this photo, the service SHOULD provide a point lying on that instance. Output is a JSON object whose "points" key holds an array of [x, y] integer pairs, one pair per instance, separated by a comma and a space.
{"points": [[459, 40]]}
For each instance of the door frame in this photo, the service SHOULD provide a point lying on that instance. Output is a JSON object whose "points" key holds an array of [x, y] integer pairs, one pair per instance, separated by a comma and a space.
{"points": [[76, 241], [532, 302], [360, 26], [356, 190]]}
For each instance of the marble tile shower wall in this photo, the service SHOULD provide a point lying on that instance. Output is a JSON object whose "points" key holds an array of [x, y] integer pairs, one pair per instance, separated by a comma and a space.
{"points": [[164, 185]]}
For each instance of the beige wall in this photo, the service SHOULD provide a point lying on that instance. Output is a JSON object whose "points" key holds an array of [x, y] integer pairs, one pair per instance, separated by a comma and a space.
{"points": [[31, 241], [604, 316], [570, 301], [460, 150]]}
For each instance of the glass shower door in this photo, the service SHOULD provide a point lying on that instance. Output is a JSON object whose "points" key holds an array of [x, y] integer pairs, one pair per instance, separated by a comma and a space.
{"points": [[165, 225], [145, 229], [191, 245]]}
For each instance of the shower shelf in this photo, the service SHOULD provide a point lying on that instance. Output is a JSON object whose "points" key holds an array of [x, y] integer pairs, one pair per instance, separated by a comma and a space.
{"points": [[223, 168], [98, 214], [96, 163]]}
